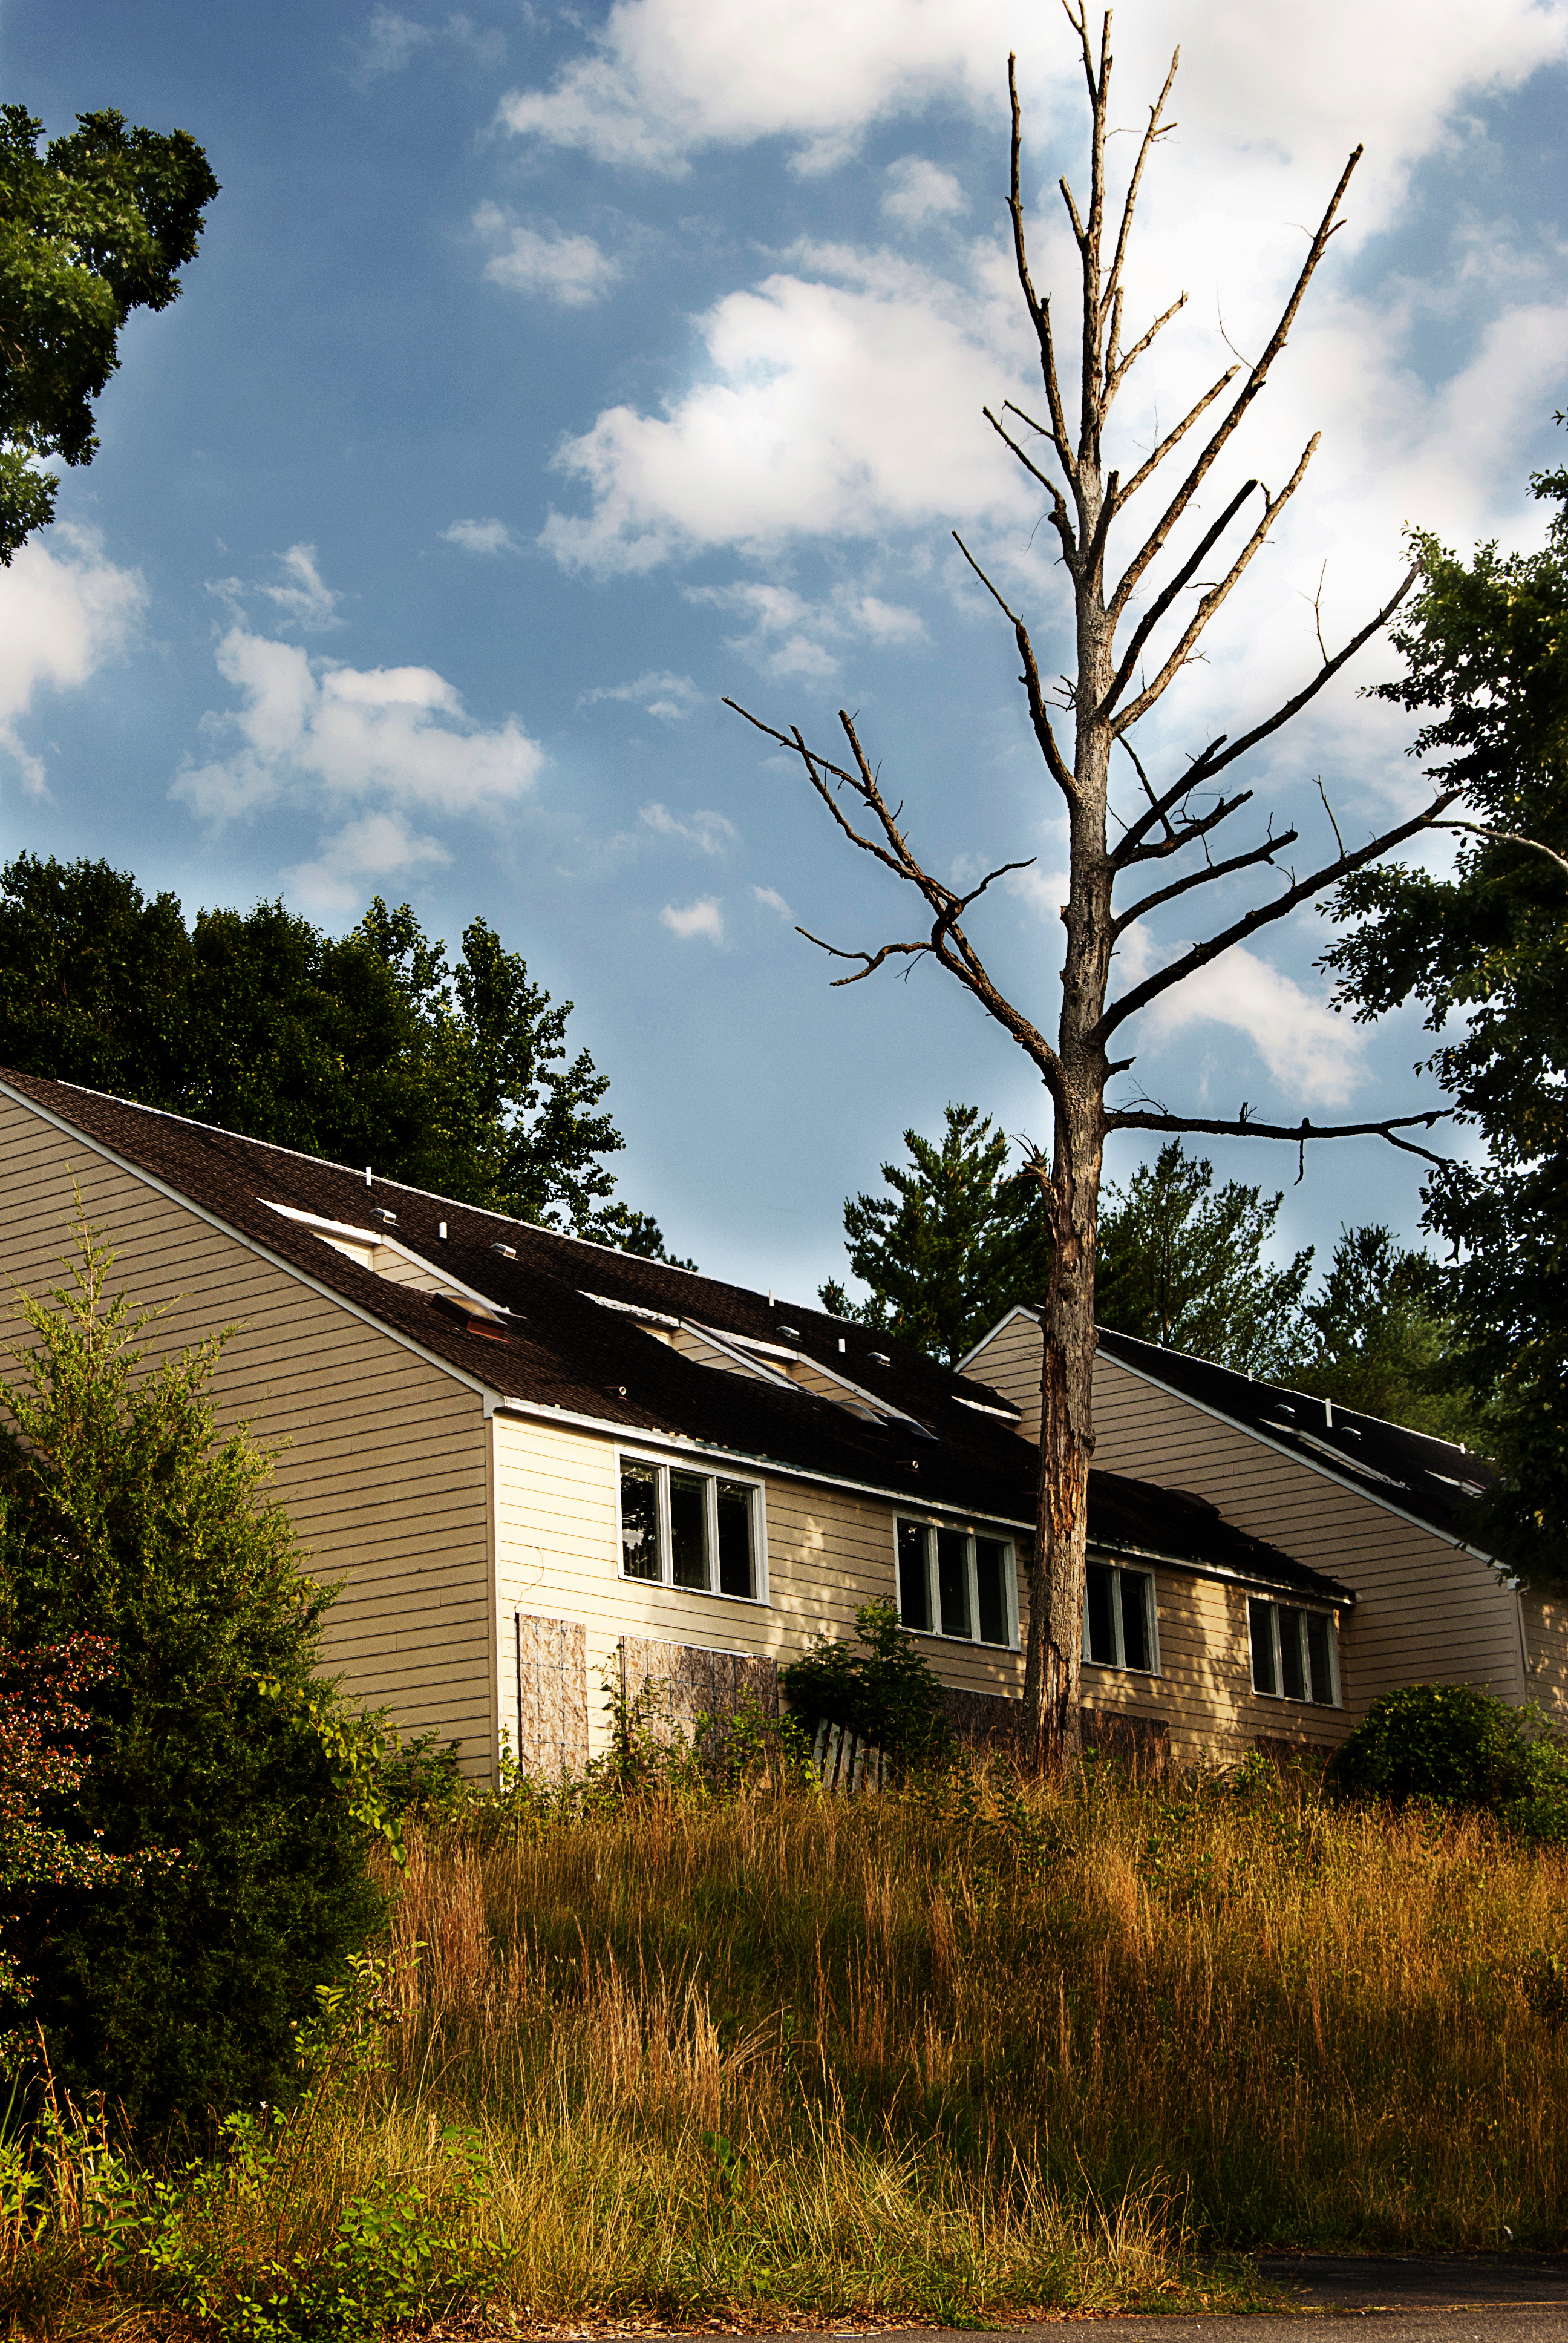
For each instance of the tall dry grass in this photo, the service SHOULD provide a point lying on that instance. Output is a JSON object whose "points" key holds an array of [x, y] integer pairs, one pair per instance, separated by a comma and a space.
{"points": [[962, 2049]]}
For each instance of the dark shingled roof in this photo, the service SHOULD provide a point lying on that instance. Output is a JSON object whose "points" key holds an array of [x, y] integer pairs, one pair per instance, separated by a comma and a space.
{"points": [[562, 1350], [1435, 1481]]}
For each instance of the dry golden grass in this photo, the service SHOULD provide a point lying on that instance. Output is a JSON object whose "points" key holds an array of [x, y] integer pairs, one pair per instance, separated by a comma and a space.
{"points": [[946, 2054]]}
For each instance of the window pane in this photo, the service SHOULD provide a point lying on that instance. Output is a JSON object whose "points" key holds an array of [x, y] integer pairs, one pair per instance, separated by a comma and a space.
{"points": [[953, 1581], [914, 1586], [1260, 1619], [1099, 1622], [1293, 1656], [736, 1574], [639, 1521], [688, 1529], [991, 1560], [1319, 1632], [1137, 1591]]}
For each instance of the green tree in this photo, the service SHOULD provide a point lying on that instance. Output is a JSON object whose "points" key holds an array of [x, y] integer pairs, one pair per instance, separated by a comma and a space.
{"points": [[1374, 1339], [1185, 1265], [954, 1247], [123, 1517], [367, 1048], [96, 226], [1486, 654]]}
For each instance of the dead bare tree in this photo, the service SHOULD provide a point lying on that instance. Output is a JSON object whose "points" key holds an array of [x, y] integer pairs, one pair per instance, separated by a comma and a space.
{"points": [[1117, 683]]}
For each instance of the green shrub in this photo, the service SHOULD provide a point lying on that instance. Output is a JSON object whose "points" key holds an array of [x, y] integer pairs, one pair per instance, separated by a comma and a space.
{"points": [[1459, 1747], [885, 1692], [214, 1748]]}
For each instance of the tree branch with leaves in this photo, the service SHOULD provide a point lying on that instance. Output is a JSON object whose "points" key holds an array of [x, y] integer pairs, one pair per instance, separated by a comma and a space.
{"points": [[1126, 660]]}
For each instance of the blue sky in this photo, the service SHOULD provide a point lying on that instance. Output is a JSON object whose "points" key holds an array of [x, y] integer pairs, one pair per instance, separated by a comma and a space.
{"points": [[548, 373]]}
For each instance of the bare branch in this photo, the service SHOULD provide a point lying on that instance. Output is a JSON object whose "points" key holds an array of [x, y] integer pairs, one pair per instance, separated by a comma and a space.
{"points": [[1328, 808], [1387, 1128], [1217, 595], [1188, 833], [873, 960], [1115, 377], [1261, 916], [1162, 447], [1155, 130], [1256, 378], [1038, 310], [1211, 871], [1162, 602], [1148, 787], [1506, 838], [1210, 760], [1060, 517]]}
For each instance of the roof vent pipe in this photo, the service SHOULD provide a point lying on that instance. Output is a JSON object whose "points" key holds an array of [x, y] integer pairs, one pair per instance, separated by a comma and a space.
{"points": [[370, 1180], [441, 1231], [1329, 1413]]}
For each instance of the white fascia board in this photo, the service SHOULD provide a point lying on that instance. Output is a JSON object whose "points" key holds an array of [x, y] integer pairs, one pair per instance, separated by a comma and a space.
{"points": [[748, 1365], [252, 1244], [1341, 1481], [1151, 1555]]}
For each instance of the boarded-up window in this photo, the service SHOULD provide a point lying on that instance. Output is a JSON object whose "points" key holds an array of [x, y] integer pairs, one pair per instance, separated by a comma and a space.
{"points": [[549, 1724], [688, 1683]]}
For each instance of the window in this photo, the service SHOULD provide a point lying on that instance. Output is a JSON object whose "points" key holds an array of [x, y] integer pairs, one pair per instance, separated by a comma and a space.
{"points": [[690, 1529], [1293, 1653], [1119, 1629], [954, 1582]]}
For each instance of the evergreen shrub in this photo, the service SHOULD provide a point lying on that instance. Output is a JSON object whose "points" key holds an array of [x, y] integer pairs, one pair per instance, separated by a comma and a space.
{"points": [[1453, 1745], [885, 1692]]}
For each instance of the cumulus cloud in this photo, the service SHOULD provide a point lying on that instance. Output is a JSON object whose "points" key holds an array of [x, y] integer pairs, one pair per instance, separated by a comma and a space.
{"points": [[65, 610], [671, 698], [304, 599], [838, 404], [389, 41], [481, 537], [377, 848], [703, 918], [789, 635], [1310, 1053], [710, 832], [374, 748], [919, 190], [571, 270]]}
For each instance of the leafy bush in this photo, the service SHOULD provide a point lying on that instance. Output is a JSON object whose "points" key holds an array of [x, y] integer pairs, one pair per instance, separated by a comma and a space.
{"points": [[1458, 1746], [885, 1692], [212, 1743]]}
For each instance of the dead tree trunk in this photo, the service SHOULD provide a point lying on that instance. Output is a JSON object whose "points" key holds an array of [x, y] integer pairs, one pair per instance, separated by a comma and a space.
{"points": [[1168, 825]]}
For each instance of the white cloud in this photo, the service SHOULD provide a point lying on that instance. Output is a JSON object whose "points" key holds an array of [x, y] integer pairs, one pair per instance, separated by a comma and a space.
{"points": [[789, 635], [372, 749], [390, 42], [840, 403], [1310, 1052], [65, 609], [919, 190], [703, 918], [305, 598], [664, 78], [658, 693], [772, 900], [481, 537], [710, 832], [379, 847], [572, 270]]}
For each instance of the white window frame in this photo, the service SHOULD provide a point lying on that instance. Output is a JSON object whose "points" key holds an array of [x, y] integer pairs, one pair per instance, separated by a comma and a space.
{"points": [[704, 1469], [1150, 1620], [1274, 1605], [924, 1522]]}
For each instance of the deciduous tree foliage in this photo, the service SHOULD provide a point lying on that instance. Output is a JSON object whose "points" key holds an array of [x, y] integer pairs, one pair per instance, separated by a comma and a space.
{"points": [[123, 1517], [1486, 653], [96, 226], [371, 1049]]}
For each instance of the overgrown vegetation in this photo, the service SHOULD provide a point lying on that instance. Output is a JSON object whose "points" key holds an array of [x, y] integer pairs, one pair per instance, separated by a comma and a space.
{"points": [[951, 2052]]}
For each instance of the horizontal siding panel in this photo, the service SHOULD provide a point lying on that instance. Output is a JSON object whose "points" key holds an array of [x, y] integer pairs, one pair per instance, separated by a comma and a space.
{"points": [[382, 1465]]}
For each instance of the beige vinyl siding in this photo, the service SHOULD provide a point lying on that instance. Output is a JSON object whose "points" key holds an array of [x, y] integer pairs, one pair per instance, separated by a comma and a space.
{"points": [[1543, 1627], [1424, 1610], [827, 1551], [1009, 1361], [384, 1472], [1204, 1688]]}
